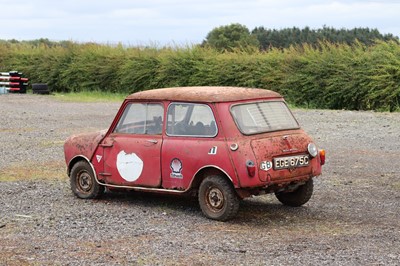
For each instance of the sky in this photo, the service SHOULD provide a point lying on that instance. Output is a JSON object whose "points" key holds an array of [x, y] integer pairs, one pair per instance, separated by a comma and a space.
{"points": [[178, 22]]}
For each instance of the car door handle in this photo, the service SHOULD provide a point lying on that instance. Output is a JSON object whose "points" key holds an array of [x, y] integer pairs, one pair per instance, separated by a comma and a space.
{"points": [[152, 141]]}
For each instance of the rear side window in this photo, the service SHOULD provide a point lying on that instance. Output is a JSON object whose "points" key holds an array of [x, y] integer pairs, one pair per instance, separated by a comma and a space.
{"points": [[141, 118], [259, 117], [189, 119]]}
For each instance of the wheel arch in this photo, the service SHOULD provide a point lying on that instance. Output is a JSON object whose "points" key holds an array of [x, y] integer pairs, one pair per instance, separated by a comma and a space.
{"points": [[206, 171], [79, 158]]}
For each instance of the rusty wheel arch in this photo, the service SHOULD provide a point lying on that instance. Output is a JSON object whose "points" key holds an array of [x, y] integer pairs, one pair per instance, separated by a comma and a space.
{"points": [[76, 159], [206, 171]]}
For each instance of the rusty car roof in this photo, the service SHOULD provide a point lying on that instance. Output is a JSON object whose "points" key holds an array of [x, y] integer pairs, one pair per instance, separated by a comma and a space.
{"points": [[204, 94]]}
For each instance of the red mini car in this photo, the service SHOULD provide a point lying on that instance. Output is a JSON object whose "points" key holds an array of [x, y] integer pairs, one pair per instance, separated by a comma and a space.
{"points": [[221, 143]]}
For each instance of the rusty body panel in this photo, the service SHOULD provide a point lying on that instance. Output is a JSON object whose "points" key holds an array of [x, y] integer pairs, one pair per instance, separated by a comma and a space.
{"points": [[198, 139], [280, 145], [82, 145], [204, 94], [261, 148]]}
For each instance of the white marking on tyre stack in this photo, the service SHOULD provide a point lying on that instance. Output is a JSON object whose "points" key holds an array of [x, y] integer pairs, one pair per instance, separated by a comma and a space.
{"points": [[129, 166]]}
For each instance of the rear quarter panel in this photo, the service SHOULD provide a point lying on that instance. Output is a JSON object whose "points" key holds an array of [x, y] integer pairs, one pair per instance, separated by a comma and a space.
{"points": [[264, 147]]}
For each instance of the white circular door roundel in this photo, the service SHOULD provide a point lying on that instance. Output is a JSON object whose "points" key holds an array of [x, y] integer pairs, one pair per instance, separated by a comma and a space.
{"points": [[129, 166]]}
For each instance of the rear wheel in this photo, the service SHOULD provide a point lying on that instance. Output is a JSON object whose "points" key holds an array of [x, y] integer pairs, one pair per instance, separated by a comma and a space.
{"points": [[297, 197], [83, 182], [218, 199]]}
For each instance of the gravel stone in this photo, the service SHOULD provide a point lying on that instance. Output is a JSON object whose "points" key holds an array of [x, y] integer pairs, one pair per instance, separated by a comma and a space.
{"points": [[352, 218]]}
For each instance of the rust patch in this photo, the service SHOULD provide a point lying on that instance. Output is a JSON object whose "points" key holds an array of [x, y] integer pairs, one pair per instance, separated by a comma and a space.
{"points": [[82, 144], [204, 94]]}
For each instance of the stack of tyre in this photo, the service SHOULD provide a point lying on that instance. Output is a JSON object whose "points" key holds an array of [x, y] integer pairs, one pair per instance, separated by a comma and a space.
{"points": [[40, 88], [12, 82]]}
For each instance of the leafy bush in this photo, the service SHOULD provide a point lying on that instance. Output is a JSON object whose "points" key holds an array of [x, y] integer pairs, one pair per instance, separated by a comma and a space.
{"points": [[334, 76]]}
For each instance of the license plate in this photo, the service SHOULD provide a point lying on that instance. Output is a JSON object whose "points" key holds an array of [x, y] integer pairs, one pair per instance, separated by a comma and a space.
{"points": [[291, 162]]}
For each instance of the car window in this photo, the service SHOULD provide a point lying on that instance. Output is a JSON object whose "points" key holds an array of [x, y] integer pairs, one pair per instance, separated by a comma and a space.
{"points": [[188, 119], [258, 117], [141, 118]]}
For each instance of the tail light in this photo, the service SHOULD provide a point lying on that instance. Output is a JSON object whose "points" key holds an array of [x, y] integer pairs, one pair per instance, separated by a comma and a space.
{"points": [[322, 156], [251, 168]]}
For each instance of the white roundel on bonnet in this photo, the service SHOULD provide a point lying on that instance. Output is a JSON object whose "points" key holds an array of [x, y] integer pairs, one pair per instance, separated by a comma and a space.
{"points": [[129, 166]]}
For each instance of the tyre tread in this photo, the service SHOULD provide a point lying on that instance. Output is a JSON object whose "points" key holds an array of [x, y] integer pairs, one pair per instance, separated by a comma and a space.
{"points": [[97, 190], [232, 200], [298, 197]]}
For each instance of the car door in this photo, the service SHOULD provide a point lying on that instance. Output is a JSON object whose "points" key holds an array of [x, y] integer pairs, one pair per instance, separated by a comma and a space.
{"points": [[132, 151], [190, 143]]}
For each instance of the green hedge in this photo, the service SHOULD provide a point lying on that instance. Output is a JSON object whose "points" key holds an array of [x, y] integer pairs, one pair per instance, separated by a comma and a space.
{"points": [[332, 76]]}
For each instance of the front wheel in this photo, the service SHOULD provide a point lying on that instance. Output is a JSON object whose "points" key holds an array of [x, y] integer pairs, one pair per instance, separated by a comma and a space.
{"points": [[218, 199], [83, 182], [297, 197]]}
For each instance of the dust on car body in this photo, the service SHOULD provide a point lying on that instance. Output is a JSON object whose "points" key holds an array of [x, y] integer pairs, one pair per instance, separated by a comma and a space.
{"points": [[222, 144]]}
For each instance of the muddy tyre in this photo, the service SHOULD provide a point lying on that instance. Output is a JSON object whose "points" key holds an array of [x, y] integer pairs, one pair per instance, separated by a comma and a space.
{"points": [[297, 197], [83, 182], [218, 199]]}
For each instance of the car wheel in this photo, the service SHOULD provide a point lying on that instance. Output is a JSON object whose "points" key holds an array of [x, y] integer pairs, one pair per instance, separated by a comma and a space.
{"points": [[218, 199], [83, 182], [297, 197]]}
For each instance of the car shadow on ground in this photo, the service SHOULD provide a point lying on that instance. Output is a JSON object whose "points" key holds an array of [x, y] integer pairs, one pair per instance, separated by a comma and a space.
{"points": [[262, 210]]}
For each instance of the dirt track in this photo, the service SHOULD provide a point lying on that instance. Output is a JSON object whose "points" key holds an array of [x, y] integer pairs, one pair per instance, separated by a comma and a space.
{"points": [[353, 217]]}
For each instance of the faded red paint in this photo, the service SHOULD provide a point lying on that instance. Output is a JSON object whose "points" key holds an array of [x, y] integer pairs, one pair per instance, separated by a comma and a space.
{"points": [[82, 145], [179, 163], [204, 94]]}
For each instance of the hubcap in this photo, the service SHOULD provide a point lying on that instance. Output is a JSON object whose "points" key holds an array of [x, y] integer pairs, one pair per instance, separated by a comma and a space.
{"points": [[215, 198], [84, 181]]}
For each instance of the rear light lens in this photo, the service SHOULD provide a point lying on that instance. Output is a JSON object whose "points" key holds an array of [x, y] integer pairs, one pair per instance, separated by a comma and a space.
{"points": [[251, 168], [322, 156]]}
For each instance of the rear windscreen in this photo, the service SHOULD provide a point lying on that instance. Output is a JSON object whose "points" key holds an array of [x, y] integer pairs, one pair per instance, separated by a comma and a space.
{"points": [[259, 117]]}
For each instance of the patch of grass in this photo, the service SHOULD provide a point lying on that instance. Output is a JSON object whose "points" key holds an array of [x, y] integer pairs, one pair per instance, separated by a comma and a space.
{"points": [[90, 96], [51, 143], [16, 130], [396, 186], [53, 170]]}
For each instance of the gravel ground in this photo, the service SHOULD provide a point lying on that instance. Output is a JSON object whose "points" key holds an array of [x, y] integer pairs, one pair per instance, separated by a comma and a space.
{"points": [[353, 217]]}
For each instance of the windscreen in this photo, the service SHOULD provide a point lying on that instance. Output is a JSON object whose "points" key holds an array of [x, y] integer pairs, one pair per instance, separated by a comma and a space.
{"points": [[259, 117]]}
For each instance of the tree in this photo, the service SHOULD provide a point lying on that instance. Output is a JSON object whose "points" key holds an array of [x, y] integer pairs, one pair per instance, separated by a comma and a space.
{"points": [[286, 37], [231, 37]]}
